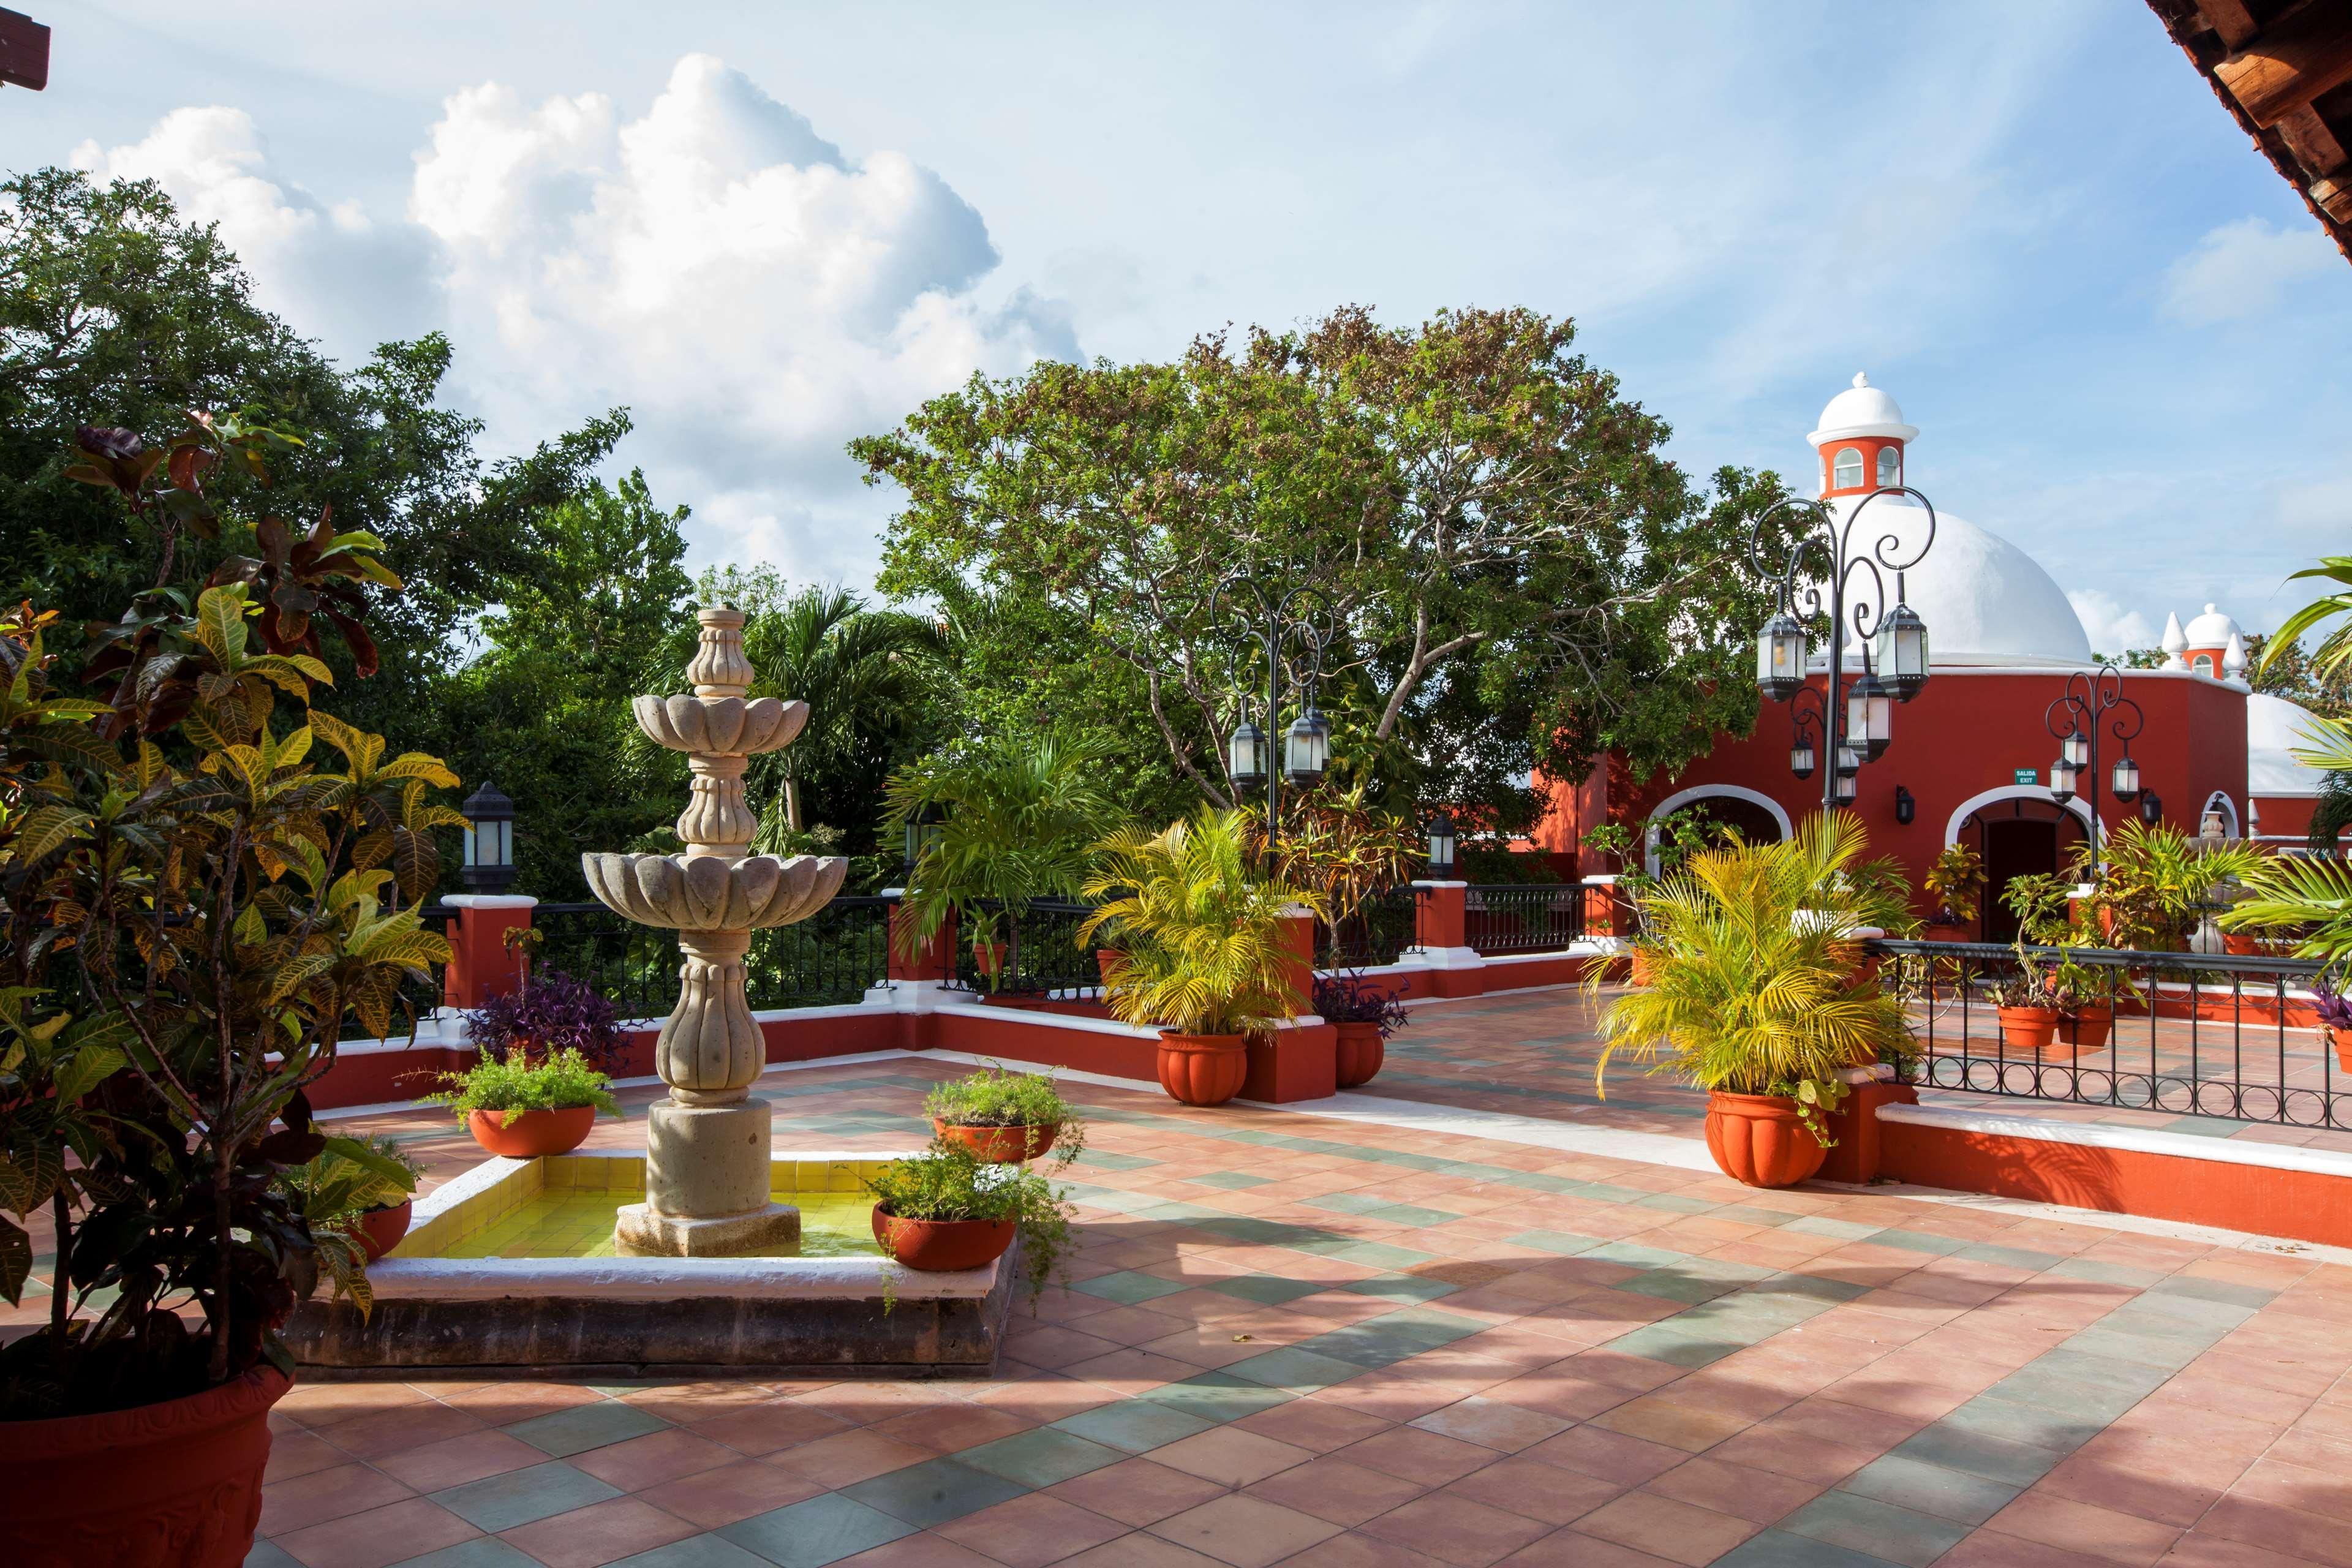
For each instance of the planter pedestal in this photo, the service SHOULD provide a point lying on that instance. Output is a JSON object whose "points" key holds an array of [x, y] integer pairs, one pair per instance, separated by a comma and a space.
{"points": [[1855, 1157], [1286, 1065]]}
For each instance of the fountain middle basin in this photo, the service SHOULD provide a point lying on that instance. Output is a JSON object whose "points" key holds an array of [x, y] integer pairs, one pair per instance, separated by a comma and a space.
{"points": [[461, 1291]]}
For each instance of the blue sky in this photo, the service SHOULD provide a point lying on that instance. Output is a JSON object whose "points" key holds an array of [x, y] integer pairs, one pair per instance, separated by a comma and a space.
{"points": [[770, 227]]}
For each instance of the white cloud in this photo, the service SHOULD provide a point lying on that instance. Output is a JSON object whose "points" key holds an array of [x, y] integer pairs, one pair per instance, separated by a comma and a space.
{"points": [[756, 297], [2112, 628], [329, 270], [2243, 269]]}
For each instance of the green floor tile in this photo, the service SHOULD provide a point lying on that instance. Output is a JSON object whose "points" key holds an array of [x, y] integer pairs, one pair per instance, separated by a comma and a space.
{"points": [[1133, 1425], [1779, 1549], [518, 1496], [694, 1552], [1128, 1286], [1270, 1289], [1972, 1453], [485, 1552], [1040, 1459], [1295, 1367], [1566, 1243], [1931, 1489], [1232, 1181], [1917, 1241], [1880, 1529], [1216, 1397], [2057, 1431], [1402, 1287], [934, 1492], [817, 1533], [585, 1426]]}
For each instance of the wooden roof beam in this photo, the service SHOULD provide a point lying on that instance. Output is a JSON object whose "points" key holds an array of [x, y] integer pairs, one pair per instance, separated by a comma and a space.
{"points": [[2314, 146], [2292, 61], [2230, 19]]}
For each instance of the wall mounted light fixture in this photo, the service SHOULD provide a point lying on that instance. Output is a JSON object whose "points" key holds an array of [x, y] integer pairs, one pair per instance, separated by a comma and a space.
{"points": [[1905, 806]]}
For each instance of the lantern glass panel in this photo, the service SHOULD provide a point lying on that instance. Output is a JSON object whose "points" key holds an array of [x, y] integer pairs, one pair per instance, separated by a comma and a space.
{"points": [[2076, 748], [1780, 658], [1802, 757], [1848, 762], [1845, 789], [2062, 776], [1306, 749], [1246, 755]]}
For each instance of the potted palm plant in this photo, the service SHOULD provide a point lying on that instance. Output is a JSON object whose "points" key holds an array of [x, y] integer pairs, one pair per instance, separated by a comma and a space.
{"points": [[1210, 965], [1021, 815], [204, 877], [1755, 997]]}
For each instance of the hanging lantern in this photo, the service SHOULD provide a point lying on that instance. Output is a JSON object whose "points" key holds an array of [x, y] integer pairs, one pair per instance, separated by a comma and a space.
{"points": [[2124, 782], [1780, 658], [490, 840], [922, 831], [1844, 789], [1248, 756], [2151, 808], [1848, 763], [1869, 717], [2062, 781], [1902, 649], [2076, 747], [1306, 749], [1801, 757], [1441, 847]]}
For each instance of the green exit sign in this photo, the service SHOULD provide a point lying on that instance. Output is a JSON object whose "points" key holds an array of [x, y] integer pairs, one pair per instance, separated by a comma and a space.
{"points": [[2024, 776]]}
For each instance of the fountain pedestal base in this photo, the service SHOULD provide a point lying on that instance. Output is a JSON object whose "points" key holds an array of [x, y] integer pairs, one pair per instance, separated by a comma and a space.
{"points": [[639, 1231], [707, 1180]]}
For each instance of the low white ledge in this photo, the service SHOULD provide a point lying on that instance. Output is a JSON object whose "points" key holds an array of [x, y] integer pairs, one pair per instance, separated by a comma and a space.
{"points": [[490, 901], [671, 1279], [2129, 1140]]}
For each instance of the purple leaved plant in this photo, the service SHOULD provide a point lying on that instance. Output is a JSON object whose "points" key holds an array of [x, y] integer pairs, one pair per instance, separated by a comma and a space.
{"points": [[556, 1013], [1349, 999], [2334, 1012]]}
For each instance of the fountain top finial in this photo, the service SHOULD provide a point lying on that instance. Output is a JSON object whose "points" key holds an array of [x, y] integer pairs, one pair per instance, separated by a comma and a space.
{"points": [[718, 668]]}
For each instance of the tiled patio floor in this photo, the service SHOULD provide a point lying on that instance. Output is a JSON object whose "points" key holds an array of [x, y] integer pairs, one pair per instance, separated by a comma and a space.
{"points": [[1296, 1341]]}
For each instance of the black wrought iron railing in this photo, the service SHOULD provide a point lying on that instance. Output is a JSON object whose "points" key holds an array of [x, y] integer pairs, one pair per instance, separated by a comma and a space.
{"points": [[1377, 933], [1503, 918], [834, 956], [1031, 953], [2183, 1034]]}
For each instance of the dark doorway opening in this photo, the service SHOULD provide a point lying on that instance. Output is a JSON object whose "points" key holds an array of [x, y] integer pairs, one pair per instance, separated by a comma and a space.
{"points": [[2018, 837], [1749, 820]]}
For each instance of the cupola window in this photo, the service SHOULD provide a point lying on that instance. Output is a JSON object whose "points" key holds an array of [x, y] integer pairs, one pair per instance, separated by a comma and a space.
{"points": [[1848, 473], [2203, 664], [1890, 467]]}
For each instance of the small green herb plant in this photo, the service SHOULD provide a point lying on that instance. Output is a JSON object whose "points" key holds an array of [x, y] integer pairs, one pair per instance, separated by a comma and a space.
{"points": [[948, 1181], [996, 1096], [557, 1082]]}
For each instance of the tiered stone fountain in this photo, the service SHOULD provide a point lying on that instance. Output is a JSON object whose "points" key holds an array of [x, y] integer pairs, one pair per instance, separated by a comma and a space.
{"points": [[707, 1154]]}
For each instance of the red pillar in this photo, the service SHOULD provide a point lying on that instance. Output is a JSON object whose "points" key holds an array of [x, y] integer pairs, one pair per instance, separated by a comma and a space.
{"points": [[482, 963], [916, 960], [1440, 914], [1299, 1061]]}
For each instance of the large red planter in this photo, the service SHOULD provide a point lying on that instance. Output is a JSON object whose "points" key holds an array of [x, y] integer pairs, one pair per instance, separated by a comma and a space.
{"points": [[1362, 1052], [175, 1485], [2343, 1038], [1203, 1069], [2087, 1029], [937, 1246], [999, 1145], [534, 1132], [1638, 968], [1760, 1140], [381, 1229], [2029, 1029]]}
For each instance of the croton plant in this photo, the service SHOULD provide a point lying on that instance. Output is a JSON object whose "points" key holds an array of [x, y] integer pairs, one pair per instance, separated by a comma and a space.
{"points": [[202, 877]]}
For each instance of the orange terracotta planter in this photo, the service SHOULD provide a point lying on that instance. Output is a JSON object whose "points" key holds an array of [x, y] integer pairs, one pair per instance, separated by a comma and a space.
{"points": [[381, 1229], [1638, 971], [1362, 1051], [937, 1246], [2088, 1028], [2029, 1029], [999, 1145], [1760, 1140], [1203, 1069], [175, 1485], [988, 957], [1105, 957], [2343, 1038], [534, 1132]]}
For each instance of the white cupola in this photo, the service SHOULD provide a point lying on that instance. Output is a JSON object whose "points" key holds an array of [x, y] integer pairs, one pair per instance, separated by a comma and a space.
{"points": [[2208, 640], [1860, 438]]}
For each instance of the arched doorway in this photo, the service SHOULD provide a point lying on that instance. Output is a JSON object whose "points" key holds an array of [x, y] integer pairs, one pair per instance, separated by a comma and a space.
{"points": [[1754, 816], [2018, 832], [2220, 801]]}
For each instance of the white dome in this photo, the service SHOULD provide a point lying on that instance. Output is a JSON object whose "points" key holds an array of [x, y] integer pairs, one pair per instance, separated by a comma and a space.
{"points": [[1985, 601], [1862, 409], [2211, 629], [2275, 730]]}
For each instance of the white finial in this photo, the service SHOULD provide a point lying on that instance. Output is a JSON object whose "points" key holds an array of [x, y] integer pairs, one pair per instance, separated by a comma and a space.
{"points": [[2234, 657], [2211, 610], [1860, 379], [2175, 644]]}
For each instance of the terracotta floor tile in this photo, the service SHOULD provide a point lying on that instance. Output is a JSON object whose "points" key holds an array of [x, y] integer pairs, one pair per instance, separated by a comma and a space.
{"points": [[1758, 1496], [1429, 1457], [1493, 1424], [457, 1460], [297, 1452], [1031, 1531], [378, 1537], [710, 1499], [1354, 1550], [1539, 1491], [847, 1458], [381, 1432], [1678, 1531], [926, 1549], [503, 1403], [322, 1405], [599, 1533], [1136, 1492], [1611, 1456], [1690, 1424], [1332, 1489], [1141, 1551], [1244, 1531], [1229, 1456], [322, 1494], [1571, 1549], [1457, 1530], [1318, 1424]]}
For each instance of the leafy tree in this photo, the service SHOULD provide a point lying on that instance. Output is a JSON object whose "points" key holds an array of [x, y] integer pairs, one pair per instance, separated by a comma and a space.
{"points": [[116, 312], [1517, 577]]}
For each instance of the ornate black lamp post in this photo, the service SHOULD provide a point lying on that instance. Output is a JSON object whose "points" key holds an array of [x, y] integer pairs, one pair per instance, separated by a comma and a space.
{"points": [[1856, 719], [1300, 618], [2075, 719]]}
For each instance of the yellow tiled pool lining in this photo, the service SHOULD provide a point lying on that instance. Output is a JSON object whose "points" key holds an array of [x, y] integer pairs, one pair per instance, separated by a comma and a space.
{"points": [[561, 1206]]}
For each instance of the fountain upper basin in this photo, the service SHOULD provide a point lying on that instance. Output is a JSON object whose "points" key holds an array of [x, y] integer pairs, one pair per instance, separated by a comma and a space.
{"points": [[721, 726], [710, 893]]}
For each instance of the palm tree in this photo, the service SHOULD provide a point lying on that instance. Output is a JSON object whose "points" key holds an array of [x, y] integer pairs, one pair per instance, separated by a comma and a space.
{"points": [[862, 672]]}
